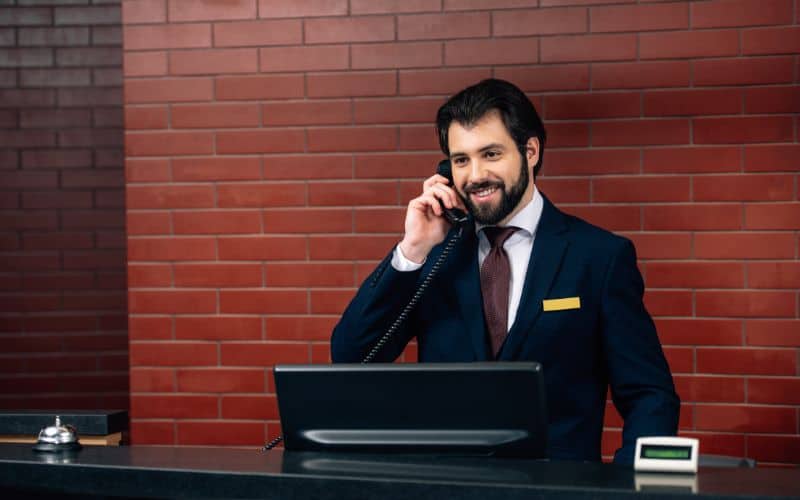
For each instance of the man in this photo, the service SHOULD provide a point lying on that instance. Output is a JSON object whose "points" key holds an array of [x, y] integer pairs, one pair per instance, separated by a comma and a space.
{"points": [[552, 289]]}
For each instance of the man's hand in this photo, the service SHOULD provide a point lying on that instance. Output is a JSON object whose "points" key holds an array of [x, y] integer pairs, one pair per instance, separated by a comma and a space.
{"points": [[425, 224]]}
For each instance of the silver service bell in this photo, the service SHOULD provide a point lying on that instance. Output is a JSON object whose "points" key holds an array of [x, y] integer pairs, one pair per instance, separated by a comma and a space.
{"points": [[57, 438]]}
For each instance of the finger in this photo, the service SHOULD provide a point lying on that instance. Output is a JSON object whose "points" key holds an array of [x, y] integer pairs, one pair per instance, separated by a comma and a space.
{"points": [[447, 194], [433, 180]]}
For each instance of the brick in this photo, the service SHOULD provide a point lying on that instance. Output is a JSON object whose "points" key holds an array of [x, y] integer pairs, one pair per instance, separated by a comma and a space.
{"points": [[394, 110], [418, 137], [742, 188], [144, 63], [588, 48], [258, 33], [773, 275], [93, 57], [745, 304], [688, 44], [168, 90], [224, 328], [395, 165], [172, 302], [144, 11], [440, 26], [25, 58], [262, 354], [640, 17], [692, 102], [309, 274], [222, 222], [63, 199], [352, 83], [350, 247], [222, 380], [743, 129], [782, 449], [60, 281], [26, 16], [695, 274], [605, 105], [662, 245], [379, 220], [217, 275], [773, 390], [771, 158], [149, 275], [53, 37], [238, 88], [738, 361], [109, 14], [361, 193], [308, 220], [611, 217], [439, 81], [248, 407], [261, 248], [107, 35], [167, 36], [487, 4], [199, 62], [697, 217], [54, 118], [567, 134], [351, 139], [645, 74], [330, 301], [300, 328], [28, 180], [216, 169], [108, 117], [91, 97], [692, 160], [640, 132], [168, 143], [541, 78], [173, 406], [152, 380], [309, 8], [390, 6], [679, 359], [743, 71], [304, 58], [24, 98], [147, 170], [773, 100], [539, 22], [152, 432], [307, 112], [260, 195], [492, 51], [90, 137], [146, 117], [740, 13], [215, 115], [395, 55], [350, 29], [736, 418], [592, 161], [18, 219], [93, 259], [773, 332], [92, 179], [166, 249], [8, 78], [771, 41], [260, 141], [190, 10], [220, 433], [259, 301], [170, 197], [772, 216]]}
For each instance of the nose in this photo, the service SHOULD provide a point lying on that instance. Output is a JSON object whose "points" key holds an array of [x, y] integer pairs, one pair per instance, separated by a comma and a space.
{"points": [[477, 172]]}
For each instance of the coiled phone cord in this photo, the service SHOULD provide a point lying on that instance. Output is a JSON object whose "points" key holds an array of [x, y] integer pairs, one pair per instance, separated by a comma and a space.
{"points": [[451, 242]]}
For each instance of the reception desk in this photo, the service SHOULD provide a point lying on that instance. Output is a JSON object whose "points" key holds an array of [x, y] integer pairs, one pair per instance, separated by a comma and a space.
{"points": [[172, 472]]}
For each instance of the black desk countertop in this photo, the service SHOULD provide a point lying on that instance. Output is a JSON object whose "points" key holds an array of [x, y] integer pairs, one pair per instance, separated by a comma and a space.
{"points": [[88, 422], [182, 472]]}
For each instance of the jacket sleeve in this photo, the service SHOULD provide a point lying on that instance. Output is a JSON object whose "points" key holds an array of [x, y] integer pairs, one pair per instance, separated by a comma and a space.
{"points": [[641, 383], [377, 304]]}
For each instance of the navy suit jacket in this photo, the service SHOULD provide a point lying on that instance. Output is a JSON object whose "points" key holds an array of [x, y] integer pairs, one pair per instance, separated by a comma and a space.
{"points": [[609, 341]]}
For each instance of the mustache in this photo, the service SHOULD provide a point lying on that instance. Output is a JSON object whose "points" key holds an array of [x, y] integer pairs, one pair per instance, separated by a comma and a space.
{"points": [[477, 186]]}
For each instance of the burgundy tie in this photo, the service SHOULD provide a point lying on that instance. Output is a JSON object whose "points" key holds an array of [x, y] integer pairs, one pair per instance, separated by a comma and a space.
{"points": [[495, 278]]}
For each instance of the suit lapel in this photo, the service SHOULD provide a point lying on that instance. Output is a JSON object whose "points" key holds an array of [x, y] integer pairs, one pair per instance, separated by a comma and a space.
{"points": [[468, 292], [548, 251]]}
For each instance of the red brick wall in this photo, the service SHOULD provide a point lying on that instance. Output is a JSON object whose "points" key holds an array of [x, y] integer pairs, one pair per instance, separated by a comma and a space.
{"points": [[272, 146], [63, 329]]}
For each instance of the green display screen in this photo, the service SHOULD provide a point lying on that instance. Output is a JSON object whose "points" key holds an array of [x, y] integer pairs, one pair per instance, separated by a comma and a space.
{"points": [[662, 452]]}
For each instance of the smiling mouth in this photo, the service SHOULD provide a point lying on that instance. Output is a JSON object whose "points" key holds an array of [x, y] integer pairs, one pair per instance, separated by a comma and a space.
{"points": [[484, 192]]}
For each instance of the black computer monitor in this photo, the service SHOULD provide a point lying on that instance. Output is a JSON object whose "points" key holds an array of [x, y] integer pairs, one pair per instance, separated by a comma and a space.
{"points": [[488, 408]]}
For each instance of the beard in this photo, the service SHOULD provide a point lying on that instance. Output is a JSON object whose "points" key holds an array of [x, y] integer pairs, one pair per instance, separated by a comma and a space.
{"points": [[488, 214]]}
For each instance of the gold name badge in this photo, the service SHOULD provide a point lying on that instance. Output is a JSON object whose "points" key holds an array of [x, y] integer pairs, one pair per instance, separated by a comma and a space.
{"points": [[561, 304]]}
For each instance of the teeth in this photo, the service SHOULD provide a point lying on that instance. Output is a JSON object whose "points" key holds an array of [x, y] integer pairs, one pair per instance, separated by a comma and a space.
{"points": [[485, 192]]}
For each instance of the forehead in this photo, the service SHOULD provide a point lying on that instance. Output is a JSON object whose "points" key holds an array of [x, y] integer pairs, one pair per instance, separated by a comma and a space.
{"points": [[489, 129]]}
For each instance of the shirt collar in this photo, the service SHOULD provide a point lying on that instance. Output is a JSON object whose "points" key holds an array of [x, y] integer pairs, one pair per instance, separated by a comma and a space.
{"points": [[526, 219]]}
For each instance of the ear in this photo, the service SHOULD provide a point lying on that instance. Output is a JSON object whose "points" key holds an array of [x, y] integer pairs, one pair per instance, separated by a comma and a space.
{"points": [[532, 152]]}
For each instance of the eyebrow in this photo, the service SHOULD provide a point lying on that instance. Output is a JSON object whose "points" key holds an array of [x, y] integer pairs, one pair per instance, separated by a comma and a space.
{"points": [[494, 145]]}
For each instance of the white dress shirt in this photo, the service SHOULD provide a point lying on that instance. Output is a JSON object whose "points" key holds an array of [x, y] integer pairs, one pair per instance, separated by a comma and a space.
{"points": [[518, 247]]}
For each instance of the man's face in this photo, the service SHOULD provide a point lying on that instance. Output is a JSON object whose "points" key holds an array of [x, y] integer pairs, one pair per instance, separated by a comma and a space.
{"points": [[489, 172]]}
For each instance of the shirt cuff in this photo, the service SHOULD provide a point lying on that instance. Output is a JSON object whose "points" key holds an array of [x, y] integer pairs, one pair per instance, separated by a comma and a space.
{"points": [[401, 263]]}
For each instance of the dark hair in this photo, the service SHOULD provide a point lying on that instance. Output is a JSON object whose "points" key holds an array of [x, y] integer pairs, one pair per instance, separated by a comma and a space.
{"points": [[517, 111]]}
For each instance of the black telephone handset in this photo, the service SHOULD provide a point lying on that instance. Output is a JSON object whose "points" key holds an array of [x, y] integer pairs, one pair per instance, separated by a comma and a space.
{"points": [[454, 216]]}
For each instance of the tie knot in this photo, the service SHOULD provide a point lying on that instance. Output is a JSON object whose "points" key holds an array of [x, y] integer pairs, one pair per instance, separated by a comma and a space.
{"points": [[497, 236]]}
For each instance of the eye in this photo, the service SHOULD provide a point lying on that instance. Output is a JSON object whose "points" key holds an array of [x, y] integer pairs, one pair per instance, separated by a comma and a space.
{"points": [[492, 154], [459, 160]]}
